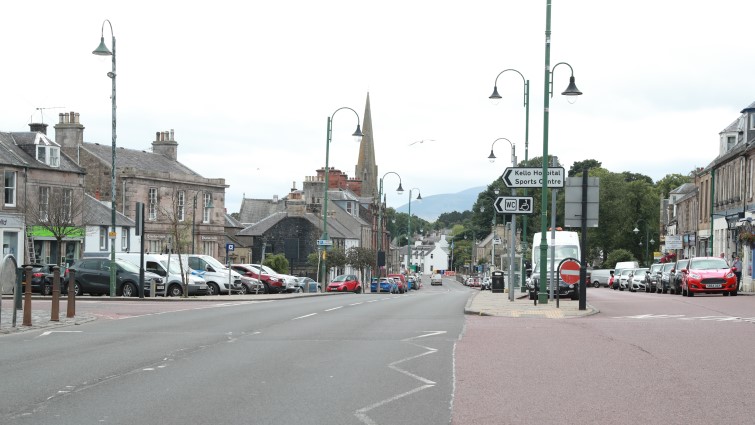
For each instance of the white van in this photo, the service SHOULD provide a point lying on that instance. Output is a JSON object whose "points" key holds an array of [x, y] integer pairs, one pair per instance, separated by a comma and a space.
{"points": [[214, 272], [169, 268], [566, 245]]}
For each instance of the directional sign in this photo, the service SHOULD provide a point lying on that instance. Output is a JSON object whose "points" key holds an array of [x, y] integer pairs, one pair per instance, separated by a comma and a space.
{"points": [[324, 242], [533, 177], [569, 271], [513, 204], [230, 247]]}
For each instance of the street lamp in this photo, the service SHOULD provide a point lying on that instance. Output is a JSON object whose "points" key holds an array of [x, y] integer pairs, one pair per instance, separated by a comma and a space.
{"points": [[495, 97], [409, 226], [399, 190], [102, 50], [512, 231], [571, 90], [647, 235], [325, 238]]}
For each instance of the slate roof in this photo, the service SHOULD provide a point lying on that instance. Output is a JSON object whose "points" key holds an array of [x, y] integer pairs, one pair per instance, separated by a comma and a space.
{"points": [[98, 213], [254, 210], [19, 149], [232, 222], [132, 158], [264, 225], [749, 108]]}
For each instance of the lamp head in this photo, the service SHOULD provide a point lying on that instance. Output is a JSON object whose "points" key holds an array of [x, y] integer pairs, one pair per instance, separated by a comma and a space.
{"points": [[636, 230], [419, 196], [400, 189], [358, 134], [572, 91], [491, 157], [102, 49], [495, 97]]}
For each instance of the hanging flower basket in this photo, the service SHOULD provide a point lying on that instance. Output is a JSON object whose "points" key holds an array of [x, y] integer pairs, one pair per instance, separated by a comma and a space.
{"points": [[747, 238]]}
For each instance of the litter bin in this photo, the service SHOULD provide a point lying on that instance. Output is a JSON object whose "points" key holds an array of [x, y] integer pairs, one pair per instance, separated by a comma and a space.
{"points": [[497, 282]]}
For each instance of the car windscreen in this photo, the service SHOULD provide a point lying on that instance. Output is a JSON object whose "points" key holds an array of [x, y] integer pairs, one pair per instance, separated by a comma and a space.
{"points": [[217, 265], [175, 266], [129, 267], [708, 264]]}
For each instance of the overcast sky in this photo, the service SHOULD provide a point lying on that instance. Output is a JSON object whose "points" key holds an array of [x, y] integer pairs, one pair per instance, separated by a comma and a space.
{"points": [[248, 86]]}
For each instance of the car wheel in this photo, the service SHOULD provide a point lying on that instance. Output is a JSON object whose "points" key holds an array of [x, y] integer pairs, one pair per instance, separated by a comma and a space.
{"points": [[129, 290], [690, 293], [266, 290], [175, 290], [358, 290], [733, 293], [299, 290], [47, 290], [77, 290], [244, 290], [213, 289], [596, 284]]}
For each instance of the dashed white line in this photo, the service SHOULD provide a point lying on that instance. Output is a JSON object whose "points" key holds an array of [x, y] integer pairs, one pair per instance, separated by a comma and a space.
{"points": [[355, 304], [301, 317], [334, 308]]}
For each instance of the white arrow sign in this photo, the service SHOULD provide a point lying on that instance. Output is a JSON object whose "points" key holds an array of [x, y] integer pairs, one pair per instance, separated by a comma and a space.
{"points": [[533, 177], [513, 204]]}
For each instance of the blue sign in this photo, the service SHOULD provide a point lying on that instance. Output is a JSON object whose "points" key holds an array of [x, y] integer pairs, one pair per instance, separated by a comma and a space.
{"points": [[229, 247]]}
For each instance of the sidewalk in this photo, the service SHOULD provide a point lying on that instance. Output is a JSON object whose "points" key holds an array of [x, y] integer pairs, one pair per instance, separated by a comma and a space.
{"points": [[486, 303]]}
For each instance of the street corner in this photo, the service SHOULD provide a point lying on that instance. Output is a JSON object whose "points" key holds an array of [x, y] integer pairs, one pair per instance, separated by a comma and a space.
{"points": [[486, 303], [40, 320]]}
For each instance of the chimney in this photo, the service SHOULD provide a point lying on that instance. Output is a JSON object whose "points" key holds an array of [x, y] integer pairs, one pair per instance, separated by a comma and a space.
{"points": [[68, 131], [38, 128], [164, 144]]}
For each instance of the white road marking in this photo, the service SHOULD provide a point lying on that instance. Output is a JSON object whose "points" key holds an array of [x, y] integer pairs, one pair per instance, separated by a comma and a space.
{"points": [[49, 332], [334, 308], [682, 317], [355, 304], [306, 315]]}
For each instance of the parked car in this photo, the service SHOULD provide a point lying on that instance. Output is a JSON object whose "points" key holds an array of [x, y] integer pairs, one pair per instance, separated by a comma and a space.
{"points": [[637, 280], [624, 279], [708, 275], [436, 279], [400, 288], [344, 283], [309, 285], [666, 274], [600, 277], [412, 283], [386, 285], [485, 284], [402, 281], [250, 285], [41, 278], [272, 283], [169, 268], [214, 272], [92, 276], [653, 277], [675, 283]]}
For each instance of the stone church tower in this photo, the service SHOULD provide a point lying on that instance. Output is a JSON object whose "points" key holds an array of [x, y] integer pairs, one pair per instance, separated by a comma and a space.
{"points": [[366, 168]]}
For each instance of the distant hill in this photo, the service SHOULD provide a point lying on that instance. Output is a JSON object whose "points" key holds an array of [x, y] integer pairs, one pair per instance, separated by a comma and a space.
{"points": [[431, 207]]}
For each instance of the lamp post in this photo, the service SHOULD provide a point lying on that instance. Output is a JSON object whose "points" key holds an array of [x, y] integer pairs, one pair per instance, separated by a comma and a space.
{"points": [[325, 238], [571, 90], [495, 234], [102, 50], [647, 241], [409, 227], [381, 201], [512, 230], [495, 98]]}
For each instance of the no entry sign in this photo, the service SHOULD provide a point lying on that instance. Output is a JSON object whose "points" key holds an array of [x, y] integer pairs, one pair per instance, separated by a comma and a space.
{"points": [[569, 271]]}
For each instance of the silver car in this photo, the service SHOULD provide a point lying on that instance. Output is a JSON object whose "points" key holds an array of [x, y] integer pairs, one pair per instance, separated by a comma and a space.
{"points": [[638, 280]]}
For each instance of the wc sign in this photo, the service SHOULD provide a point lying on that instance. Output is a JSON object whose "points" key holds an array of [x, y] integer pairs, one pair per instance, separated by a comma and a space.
{"points": [[514, 204]]}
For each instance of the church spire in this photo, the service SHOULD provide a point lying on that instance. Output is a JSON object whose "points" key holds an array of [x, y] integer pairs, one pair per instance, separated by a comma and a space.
{"points": [[366, 169]]}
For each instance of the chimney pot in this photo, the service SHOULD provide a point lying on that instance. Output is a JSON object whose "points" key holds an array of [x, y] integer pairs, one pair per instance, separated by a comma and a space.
{"points": [[157, 136], [172, 135]]}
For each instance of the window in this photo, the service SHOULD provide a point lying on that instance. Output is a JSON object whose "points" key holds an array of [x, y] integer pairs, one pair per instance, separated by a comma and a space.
{"points": [[103, 238], [752, 121], [49, 155], [208, 248], [125, 234], [44, 203], [349, 208], [181, 213], [207, 206], [10, 188], [154, 246], [152, 202], [65, 208]]}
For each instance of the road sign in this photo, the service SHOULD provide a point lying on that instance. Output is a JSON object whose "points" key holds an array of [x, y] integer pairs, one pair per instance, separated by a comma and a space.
{"points": [[229, 247], [533, 177], [569, 271], [513, 204], [324, 242]]}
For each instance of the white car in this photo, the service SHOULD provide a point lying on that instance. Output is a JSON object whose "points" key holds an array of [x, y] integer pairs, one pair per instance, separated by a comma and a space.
{"points": [[436, 279], [290, 283]]}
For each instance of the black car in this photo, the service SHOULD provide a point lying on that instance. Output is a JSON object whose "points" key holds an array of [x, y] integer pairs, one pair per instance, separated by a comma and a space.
{"points": [[675, 282], [92, 276], [41, 278]]}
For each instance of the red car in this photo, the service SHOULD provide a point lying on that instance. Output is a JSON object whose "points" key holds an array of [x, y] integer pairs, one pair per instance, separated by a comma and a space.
{"points": [[402, 282], [273, 284], [344, 283], [708, 275]]}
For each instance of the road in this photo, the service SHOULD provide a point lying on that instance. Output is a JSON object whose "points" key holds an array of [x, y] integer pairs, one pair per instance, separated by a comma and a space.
{"points": [[644, 359], [343, 359], [386, 359]]}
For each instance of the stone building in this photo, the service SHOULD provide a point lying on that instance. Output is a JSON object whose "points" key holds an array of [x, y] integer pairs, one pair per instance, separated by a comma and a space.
{"points": [[43, 199], [183, 209]]}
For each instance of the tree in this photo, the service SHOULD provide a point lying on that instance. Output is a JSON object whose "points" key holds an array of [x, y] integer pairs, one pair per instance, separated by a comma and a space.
{"points": [[336, 259], [180, 228], [617, 256], [362, 259], [576, 169], [277, 262], [59, 211], [670, 182]]}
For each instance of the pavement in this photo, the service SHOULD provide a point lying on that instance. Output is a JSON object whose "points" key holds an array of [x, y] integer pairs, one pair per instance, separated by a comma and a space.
{"points": [[487, 303]]}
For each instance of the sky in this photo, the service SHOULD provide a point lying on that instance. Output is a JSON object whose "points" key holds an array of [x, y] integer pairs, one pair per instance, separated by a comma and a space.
{"points": [[248, 87]]}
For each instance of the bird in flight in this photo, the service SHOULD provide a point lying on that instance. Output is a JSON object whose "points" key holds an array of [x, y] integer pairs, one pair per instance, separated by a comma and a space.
{"points": [[421, 141]]}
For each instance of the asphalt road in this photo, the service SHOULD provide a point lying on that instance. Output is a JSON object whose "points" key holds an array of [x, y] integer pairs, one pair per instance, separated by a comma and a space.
{"points": [[644, 359], [345, 359]]}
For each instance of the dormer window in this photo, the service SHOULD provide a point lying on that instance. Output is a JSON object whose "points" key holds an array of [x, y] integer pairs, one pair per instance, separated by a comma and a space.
{"points": [[49, 155], [752, 121]]}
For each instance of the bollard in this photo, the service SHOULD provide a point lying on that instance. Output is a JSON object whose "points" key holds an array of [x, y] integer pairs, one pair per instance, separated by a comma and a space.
{"points": [[71, 308], [27, 298], [55, 307], [152, 290]]}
